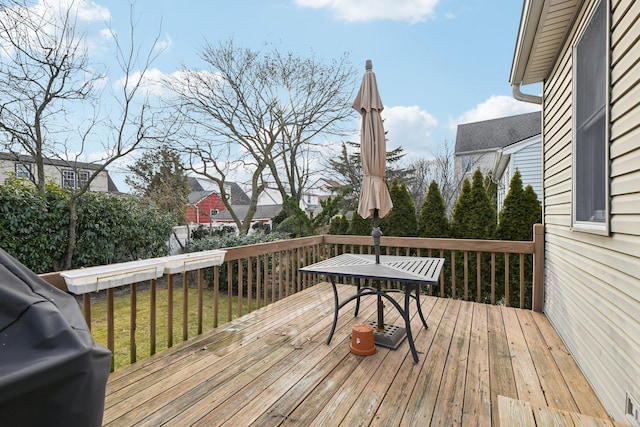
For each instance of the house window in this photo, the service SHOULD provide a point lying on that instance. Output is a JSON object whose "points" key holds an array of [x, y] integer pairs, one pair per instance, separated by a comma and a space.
{"points": [[73, 179], [590, 158], [23, 170]]}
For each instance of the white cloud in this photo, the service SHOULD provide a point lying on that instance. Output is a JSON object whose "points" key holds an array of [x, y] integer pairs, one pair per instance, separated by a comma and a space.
{"points": [[164, 45], [151, 84], [493, 108], [373, 10], [49, 16], [409, 127]]}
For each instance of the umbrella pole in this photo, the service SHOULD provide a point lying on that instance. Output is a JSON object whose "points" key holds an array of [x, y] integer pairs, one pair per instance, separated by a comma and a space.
{"points": [[376, 243], [376, 235]]}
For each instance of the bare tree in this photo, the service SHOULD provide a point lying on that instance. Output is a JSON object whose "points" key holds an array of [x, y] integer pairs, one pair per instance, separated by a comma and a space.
{"points": [[262, 112], [44, 70], [49, 97], [423, 172], [441, 169]]}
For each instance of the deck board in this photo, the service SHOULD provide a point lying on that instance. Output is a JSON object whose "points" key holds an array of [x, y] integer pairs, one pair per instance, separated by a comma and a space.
{"points": [[273, 367]]}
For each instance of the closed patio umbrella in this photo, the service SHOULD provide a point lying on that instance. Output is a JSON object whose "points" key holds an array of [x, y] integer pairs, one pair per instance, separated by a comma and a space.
{"points": [[374, 195]]}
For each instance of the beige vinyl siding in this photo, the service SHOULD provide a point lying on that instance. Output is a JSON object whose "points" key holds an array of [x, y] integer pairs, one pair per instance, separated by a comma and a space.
{"points": [[54, 174], [592, 293]]}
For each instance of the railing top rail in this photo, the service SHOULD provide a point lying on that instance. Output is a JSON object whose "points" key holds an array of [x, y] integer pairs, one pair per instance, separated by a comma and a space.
{"points": [[238, 252], [242, 252], [525, 247]]}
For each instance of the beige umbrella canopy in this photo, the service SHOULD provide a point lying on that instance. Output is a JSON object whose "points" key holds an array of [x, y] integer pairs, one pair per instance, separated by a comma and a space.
{"points": [[373, 148]]}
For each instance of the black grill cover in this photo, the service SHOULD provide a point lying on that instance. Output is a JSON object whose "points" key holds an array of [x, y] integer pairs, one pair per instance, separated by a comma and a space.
{"points": [[51, 371]]}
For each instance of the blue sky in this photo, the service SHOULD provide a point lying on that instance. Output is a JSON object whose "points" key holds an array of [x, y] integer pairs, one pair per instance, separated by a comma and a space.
{"points": [[438, 63]]}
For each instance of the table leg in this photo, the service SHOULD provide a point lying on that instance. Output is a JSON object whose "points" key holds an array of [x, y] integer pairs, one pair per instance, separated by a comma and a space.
{"points": [[424, 322], [355, 314], [335, 310], [407, 323], [380, 307]]}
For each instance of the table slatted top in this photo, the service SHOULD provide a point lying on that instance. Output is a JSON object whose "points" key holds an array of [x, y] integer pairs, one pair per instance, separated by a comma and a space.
{"points": [[407, 269]]}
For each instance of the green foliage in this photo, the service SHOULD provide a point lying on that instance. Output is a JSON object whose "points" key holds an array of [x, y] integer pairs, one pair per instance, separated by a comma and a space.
{"points": [[534, 208], [360, 226], [474, 217], [401, 221], [160, 177], [229, 240], [110, 229], [33, 226], [491, 187], [520, 211], [330, 208], [461, 211], [433, 220], [347, 168], [339, 225], [297, 223], [116, 229]]}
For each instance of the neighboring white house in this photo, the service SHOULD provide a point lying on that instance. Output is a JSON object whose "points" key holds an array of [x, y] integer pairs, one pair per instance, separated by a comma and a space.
{"points": [[319, 191], [65, 174], [524, 156], [500, 146], [586, 55], [270, 196]]}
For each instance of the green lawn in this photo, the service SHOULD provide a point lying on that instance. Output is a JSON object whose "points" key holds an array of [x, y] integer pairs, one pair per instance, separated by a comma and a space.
{"points": [[122, 304]]}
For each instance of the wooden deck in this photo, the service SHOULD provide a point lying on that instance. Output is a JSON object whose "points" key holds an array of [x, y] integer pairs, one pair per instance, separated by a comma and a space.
{"points": [[272, 367]]}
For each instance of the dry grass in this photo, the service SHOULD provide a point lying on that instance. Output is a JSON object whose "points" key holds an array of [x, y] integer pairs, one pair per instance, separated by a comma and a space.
{"points": [[122, 318]]}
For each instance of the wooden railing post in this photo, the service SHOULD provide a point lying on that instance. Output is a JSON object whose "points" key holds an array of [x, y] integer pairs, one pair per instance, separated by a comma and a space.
{"points": [[538, 268]]}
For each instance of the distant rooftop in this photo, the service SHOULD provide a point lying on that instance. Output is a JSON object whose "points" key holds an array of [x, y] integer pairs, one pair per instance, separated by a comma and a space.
{"points": [[201, 188], [497, 133]]}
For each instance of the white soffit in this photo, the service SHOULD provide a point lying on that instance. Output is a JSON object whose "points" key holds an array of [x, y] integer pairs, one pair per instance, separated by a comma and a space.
{"points": [[543, 29]]}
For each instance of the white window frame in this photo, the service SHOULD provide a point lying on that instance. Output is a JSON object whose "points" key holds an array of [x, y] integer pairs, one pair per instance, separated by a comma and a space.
{"points": [[23, 170], [74, 180], [579, 223]]}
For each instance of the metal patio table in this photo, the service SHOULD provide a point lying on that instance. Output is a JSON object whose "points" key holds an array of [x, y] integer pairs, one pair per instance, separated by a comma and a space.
{"points": [[410, 270]]}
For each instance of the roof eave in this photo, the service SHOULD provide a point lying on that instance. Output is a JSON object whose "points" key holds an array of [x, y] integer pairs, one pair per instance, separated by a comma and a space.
{"points": [[544, 27], [529, 20]]}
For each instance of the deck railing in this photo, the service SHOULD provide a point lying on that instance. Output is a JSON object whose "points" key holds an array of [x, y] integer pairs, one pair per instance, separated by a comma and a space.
{"points": [[490, 271]]}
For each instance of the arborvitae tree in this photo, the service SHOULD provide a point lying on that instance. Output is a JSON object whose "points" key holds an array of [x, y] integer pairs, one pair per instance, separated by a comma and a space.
{"points": [[360, 226], [474, 217], [433, 214], [339, 225], [460, 224], [401, 221], [534, 207], [520, 211], [483, 224]]}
